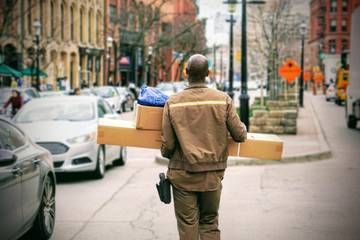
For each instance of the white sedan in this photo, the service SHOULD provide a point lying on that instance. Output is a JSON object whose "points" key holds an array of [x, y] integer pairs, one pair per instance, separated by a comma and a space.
{"points": [[67, 127], [110, 95]]}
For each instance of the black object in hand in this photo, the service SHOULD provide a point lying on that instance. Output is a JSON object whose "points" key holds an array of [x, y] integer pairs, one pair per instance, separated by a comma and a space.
{"points": [[163, 189]]}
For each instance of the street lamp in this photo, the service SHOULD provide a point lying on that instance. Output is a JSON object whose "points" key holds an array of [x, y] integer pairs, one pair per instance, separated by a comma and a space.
{"points": [[150, 53], [109, 43], [231, 9], [244, 97], [303, 32], [37, 27]]}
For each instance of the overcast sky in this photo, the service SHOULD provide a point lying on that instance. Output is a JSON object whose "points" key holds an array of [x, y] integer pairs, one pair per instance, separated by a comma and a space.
{"points": [[208, 9]]}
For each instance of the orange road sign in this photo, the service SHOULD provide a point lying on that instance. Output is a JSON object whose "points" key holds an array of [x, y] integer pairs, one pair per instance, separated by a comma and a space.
{"points": [[290, 71], [307, 76]]}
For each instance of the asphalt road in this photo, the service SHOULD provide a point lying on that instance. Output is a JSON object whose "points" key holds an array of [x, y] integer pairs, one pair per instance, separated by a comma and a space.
{"points": [[317, 200]]}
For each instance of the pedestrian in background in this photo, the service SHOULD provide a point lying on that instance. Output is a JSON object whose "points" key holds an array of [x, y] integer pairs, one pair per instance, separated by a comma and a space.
{"points": [[15, 101], [13, 83], [196, 123]]}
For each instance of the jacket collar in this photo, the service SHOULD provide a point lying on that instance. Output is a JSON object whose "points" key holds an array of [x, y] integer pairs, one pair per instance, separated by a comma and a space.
{"points": [[196, 85]]}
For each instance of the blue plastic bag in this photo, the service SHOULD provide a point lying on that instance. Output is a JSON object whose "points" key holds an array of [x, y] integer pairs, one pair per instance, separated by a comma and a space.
{"points": [[150, 96]]}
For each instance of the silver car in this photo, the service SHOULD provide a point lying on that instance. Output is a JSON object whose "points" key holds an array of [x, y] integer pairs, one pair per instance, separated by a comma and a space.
{"points": [[67, 127], [110, 95], [27, 186]]}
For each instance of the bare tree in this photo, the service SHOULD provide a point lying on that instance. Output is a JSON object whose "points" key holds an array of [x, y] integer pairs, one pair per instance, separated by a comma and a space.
{"points": [[154, 29], [275, 32]]}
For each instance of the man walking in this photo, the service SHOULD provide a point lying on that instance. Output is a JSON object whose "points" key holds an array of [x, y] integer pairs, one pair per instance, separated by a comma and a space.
{"points": [[196, 123]]}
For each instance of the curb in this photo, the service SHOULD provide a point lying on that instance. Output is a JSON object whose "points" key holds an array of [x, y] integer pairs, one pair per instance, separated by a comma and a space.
{"points": [[324, 153]]}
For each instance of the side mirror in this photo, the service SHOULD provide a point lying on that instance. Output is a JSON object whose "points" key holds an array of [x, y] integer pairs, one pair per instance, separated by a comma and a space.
{"points": [[7, 158]]}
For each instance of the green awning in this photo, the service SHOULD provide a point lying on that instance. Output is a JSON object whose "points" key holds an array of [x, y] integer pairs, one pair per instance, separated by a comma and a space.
{"points": [[31, 71], [5, 70]]}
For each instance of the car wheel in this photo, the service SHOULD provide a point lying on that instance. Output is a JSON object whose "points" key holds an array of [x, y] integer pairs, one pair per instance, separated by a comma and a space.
{"points": [[327, 99], [100, 164], [351, 122], [45, 220], [122, 158]]}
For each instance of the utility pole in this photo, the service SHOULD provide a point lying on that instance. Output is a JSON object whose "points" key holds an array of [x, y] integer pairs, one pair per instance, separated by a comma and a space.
{"points": [[214, 64], [231, 55]]}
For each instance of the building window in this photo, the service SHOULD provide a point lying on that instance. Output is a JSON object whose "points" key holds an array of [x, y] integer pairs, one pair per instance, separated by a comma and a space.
{"points": [[62, 17], [72, 28], [333, 6], [344, 44], [29, 20], [52, 19], [344, 5], [42, 15], [332, 46], [333, 25], [344, 25], [82, 25], [97, 25], [89, 27], [112, 12]]}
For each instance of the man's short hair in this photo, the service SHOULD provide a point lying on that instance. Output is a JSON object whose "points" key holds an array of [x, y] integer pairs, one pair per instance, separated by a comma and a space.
{"points": [[197, 68]]}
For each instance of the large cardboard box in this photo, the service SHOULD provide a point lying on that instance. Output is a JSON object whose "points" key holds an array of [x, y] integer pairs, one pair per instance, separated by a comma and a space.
{"points": [[148, 118], [124, 133], [262, 146]]}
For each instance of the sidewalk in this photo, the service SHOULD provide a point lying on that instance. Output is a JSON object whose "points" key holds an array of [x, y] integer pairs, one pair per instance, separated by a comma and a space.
{"points": [[308, 145]]}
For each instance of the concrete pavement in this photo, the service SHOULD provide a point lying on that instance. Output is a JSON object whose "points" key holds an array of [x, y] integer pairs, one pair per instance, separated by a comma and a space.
{"points": [[312, 200]]}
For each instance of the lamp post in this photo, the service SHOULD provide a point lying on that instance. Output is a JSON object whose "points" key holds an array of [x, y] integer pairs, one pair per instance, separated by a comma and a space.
{"points": [[150, 53], [231, 9], [244, 97], [37, 27], [303, 31], [109, 42]]}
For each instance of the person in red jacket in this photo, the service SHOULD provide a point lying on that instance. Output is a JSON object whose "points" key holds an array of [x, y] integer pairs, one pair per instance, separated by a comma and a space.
{"points": [[16, 102]]}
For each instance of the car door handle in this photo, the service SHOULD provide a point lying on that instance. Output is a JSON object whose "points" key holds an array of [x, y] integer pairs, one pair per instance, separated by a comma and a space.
{"points": [[36, 162], [16, 171]]}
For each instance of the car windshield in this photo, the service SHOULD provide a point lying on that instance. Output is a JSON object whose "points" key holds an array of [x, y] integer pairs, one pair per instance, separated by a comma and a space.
{"points": [[103, 92], [56, 111], [122, 90]]}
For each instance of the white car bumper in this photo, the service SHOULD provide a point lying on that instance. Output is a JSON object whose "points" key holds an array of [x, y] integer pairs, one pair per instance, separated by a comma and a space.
{"points": [[73, 157]]}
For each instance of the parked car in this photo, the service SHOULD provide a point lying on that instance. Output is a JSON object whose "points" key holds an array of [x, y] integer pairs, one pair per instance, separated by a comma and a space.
{"points": [[110, 95], [181, 85], [252, 85], [330, 93], [26, 93], [67, 127], [86, 92], [52, 93], [27, 186], [127, 99], [167, 88]]}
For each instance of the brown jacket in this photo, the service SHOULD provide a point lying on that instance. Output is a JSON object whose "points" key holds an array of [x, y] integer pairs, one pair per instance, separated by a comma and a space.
{"points": [[195, 129]]}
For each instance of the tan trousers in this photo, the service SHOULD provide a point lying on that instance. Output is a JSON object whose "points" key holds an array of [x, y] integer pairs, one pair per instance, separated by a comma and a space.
{"points": [[197, 214]]}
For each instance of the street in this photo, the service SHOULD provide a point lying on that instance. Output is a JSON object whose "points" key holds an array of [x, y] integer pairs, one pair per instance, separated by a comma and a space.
{"points": [[317, 200]]}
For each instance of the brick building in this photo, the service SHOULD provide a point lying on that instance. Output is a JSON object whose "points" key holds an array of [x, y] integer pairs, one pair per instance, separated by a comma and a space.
{"points": [[330, 22], [144, 42], [71, 39]]}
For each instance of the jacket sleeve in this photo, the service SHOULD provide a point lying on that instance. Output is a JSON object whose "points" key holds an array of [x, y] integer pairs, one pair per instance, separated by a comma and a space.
{"points": [[236, 128], [168, 137]]}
